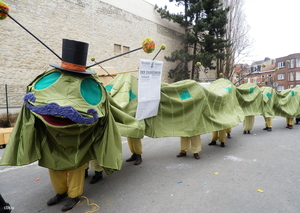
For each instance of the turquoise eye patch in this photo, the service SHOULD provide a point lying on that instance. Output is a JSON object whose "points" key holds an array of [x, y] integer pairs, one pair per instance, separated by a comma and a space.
{"points": [[185, 95], [91, 91], [47, 80]]}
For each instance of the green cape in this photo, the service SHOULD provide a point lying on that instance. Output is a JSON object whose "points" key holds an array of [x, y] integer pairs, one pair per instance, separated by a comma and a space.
{"points": [[55, 141]]}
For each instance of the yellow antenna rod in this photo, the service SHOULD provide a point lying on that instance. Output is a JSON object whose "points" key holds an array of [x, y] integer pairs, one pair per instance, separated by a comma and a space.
{"points": [[114, 74]]}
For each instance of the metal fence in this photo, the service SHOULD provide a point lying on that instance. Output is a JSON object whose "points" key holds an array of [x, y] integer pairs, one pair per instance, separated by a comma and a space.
{"points": [[11, 98]]}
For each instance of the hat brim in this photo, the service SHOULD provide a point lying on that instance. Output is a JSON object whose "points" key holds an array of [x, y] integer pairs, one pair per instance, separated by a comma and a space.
{"points": [[87, 72]]}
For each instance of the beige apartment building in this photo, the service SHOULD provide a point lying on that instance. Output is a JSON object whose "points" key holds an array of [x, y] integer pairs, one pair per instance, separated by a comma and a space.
{"points": [[110, 27]]}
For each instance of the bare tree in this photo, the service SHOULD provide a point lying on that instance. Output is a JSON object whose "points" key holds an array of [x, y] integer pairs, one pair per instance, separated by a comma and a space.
{"points": [[239, 43]]}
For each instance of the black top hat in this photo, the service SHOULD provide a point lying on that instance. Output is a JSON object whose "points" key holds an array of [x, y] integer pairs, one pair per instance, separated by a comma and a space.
{"points": [[74, 54]]}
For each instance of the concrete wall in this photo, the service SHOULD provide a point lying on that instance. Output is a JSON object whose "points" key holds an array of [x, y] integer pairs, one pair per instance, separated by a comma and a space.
{"points": [[102, 24]]}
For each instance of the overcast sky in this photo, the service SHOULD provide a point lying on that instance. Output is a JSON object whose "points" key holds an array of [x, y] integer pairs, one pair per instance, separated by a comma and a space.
{"points": [[273, 26]]}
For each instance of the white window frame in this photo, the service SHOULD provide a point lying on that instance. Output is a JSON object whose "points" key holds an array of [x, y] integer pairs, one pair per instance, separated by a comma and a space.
{"points": [[297, 76], [280, 76], [291, 76], [297, 62], [254, 80], [281, 64], [280, 88], [292, 63]]}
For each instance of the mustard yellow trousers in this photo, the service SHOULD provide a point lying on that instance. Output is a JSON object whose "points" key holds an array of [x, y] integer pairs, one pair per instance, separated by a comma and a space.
{"points": [[71, 182], [191, 143], [135, 145]]}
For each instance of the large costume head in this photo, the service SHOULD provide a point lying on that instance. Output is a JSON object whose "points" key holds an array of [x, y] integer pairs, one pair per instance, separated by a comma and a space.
{"points": [[66, 119]]}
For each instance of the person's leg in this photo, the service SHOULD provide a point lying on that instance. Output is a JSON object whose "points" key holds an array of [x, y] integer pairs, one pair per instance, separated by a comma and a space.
{"points": [[269, 124], [98, 171], [137, 149], [75, 187], [196, 146], [228, 131], [214, 138], [131, 148], [222, 137], [59, 183], [184, 146], [248, 124], [76, 182], [290, 123]]}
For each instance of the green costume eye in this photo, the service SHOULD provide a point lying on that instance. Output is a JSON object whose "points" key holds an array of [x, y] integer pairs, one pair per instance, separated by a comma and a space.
{"points": [[91, 91], [47, 80]]}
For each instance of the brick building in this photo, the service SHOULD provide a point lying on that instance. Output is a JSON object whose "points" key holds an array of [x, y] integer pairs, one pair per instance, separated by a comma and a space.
{"points": [[281, 73], [288, 72]]}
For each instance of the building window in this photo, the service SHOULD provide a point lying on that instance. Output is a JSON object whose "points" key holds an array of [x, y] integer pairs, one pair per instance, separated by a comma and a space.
{"points": [[292, 64], [297, 62], [280, 77], [280, 88], [281, 64], [255, 80], [291, 86], [126, 49], [297, 76], [262, 78], [117, 49], [291, 76]]}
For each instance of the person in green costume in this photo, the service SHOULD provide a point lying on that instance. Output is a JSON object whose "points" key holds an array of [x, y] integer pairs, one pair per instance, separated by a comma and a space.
{"points": [[65, 122]]}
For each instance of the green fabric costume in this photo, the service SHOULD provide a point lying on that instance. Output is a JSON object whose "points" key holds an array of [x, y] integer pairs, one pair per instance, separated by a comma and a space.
{"points": [[288, 103], [65, 122], [186, 108], [250, 97]]}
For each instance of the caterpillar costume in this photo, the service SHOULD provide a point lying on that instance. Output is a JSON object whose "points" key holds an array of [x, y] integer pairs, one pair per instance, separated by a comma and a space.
{"points": [[65, 122]]}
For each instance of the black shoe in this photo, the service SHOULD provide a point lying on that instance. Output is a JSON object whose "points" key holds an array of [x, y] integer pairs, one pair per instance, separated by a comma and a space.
{"points": [[70, 204], [228, 135], [2, 146], [269, 129], [96, 178], [132, 158], [138, 160], [222, 144], [249, 132], [56, 199], [265, 128], [245, 132], [213, 143], [288, 126]]}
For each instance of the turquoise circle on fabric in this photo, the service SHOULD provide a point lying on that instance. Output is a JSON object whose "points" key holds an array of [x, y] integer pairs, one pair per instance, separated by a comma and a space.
{"points": [[47, 80], [91, 91]]}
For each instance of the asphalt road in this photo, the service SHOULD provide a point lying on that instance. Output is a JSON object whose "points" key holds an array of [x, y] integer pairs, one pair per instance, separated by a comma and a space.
{"points": [[257, 172]]}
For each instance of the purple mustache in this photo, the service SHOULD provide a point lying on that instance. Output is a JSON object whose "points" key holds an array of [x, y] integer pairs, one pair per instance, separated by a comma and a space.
{"points": [[55, 109]]}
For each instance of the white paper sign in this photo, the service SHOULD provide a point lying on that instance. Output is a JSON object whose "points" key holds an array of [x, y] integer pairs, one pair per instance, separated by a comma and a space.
{"points": [[149, 82]]}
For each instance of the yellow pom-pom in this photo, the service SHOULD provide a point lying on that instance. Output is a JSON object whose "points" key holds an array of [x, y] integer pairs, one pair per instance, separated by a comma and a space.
{"points": [[148, 45], [92, 59], [163, 47], [198, 64], [4, 9]]}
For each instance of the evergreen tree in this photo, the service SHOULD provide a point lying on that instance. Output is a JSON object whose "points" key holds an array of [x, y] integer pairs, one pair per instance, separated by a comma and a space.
{"points": [[204, 23]]}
